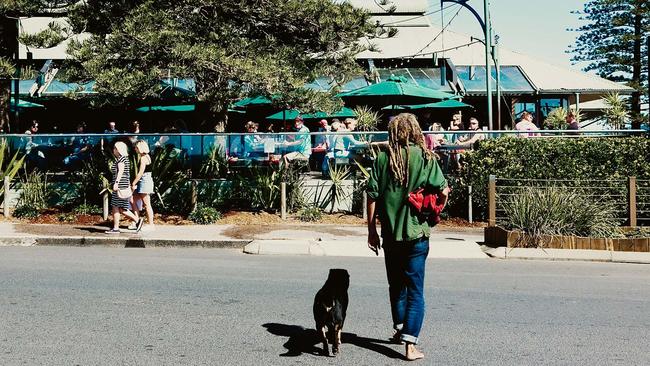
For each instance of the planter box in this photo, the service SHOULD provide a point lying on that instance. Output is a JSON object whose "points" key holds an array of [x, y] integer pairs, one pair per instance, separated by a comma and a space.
{"points": [[499, 237]]}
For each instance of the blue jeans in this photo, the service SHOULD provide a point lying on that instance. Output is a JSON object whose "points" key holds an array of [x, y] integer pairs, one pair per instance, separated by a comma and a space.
{"points": [[405, 263]]}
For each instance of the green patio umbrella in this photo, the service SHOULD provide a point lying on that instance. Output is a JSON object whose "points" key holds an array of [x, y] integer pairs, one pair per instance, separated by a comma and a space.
{"points": [[394, 91], [22, 104], [168, 108], [258, 101], [291, 114], [449, 103]]}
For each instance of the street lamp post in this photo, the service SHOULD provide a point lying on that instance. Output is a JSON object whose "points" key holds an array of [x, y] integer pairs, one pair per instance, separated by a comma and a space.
{"points": [[487, 32]]}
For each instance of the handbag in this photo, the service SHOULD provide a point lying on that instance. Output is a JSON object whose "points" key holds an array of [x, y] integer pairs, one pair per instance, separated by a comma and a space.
{"points": [[427, 204], [124, 193]]}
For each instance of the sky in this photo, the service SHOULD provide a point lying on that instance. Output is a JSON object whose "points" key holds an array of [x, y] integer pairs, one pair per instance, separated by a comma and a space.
{"points": [[533, 27]]}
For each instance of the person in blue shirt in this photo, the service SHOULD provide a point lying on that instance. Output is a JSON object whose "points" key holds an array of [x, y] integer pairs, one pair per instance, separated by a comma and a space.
{"points": [[253, 144], [300, 147]]}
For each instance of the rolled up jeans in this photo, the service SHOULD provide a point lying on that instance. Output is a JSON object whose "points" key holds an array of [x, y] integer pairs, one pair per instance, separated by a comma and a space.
{"points": [[405, 267]]}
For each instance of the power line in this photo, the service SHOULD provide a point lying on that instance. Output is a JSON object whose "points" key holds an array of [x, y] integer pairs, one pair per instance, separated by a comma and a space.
{"points": [[441, 31], [419, 16]]}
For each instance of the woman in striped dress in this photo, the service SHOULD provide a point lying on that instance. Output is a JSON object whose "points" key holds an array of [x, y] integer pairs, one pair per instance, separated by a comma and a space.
{"points": [[121, 180]]}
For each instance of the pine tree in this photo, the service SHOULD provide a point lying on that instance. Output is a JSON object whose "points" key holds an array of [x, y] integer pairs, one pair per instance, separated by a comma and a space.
{"points": [[613, 45]]}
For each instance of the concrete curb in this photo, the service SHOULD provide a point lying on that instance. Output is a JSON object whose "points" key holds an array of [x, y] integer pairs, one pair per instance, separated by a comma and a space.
{"points": [[567, 255], [122, 242]]}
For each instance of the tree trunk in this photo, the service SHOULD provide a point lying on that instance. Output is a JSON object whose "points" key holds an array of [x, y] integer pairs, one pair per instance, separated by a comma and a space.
{"points": [[636, 74]]}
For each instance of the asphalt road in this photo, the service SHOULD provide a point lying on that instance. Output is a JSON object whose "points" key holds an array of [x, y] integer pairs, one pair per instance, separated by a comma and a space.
{"points": [[107, 306]]}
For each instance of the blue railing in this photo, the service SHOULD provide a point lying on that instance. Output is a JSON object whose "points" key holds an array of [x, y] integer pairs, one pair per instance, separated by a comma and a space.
{"points": [[64, 151]]}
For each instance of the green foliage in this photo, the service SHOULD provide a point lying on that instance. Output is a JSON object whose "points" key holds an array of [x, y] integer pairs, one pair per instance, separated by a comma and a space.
{"points": [[617, 111], [215, 193], [367, 119], [169, 177], [310, 214], [328, 195], [613, 44], [205, 215], [86, 209], [8, 167], [26, 211], [569, 159], [54, 34], [7, 68], [215, 164], [35, 191], [66, 217], [556, 120], [539, 211], [91, 179], [229, 47]]}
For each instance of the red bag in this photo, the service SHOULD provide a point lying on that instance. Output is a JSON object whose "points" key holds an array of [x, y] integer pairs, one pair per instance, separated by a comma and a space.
{"points": [[429, 205]]}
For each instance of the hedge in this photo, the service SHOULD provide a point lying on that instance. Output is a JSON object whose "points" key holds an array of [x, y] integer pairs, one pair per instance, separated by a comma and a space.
{"points": [[614, 158]]}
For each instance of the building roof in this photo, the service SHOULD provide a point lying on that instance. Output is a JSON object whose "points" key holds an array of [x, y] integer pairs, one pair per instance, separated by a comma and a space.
{"points": [[420, 42], [418, 39]]}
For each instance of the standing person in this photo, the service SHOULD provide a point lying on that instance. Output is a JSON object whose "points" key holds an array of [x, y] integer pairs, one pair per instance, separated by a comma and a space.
{"points": [[121, 181], [143, 182], [406, 166]]}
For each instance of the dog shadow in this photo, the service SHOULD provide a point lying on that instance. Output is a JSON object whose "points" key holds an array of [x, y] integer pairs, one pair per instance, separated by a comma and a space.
{"points": [[303, 340]]}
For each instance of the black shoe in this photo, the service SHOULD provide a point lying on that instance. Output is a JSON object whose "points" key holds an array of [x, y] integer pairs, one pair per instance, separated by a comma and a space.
{"points": [[138, 225]]}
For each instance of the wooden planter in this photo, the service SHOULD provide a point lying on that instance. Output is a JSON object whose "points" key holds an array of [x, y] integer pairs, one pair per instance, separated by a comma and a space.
{"points": [[499, 237]]}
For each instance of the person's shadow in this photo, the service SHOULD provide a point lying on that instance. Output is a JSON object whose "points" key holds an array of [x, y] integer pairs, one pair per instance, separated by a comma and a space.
{"points": [[303, 340]]}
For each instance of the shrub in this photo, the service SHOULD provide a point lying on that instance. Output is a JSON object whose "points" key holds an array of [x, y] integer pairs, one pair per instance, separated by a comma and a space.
{"points": [[568, 159], [204, 215], [538, 211], [35, 191], [86, 209], [310, 214], [66, 217], [26, 211]]}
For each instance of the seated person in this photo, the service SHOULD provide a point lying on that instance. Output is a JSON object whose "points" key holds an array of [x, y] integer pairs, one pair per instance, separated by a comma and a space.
{"points": [[253, 144], [468, 140], [456, 124], [299, 145], [526, 124], [80, 147], [433, 140], [342, 146], [321, 142]]}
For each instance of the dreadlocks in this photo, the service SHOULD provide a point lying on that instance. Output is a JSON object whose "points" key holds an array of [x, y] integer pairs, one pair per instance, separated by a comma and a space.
{"points": [[402, 130]]}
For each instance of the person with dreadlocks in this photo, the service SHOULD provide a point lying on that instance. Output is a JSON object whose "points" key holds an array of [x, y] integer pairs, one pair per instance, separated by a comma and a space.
{"points": [[405, 167]]}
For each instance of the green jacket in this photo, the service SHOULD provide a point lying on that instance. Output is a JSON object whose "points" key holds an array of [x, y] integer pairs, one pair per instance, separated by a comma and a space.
{"points": [[399, 222]]}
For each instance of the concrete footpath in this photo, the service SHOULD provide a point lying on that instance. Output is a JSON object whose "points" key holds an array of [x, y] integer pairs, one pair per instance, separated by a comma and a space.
{"points": [[288, 239], [318, 240]]}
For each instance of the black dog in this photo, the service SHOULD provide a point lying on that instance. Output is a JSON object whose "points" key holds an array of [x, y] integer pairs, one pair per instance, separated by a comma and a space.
{"points": [[330, 306]]}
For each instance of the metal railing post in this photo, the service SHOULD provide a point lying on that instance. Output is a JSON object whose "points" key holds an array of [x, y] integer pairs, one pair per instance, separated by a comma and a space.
{"points": [[5, 203], [195, 194], [631, 208], [470, 216], [105, 204], [492, 201], [283, 200], [364, 205]]}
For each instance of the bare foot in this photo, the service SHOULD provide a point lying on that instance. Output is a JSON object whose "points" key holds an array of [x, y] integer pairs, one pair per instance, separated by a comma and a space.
{"points": [[412, 353]]}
